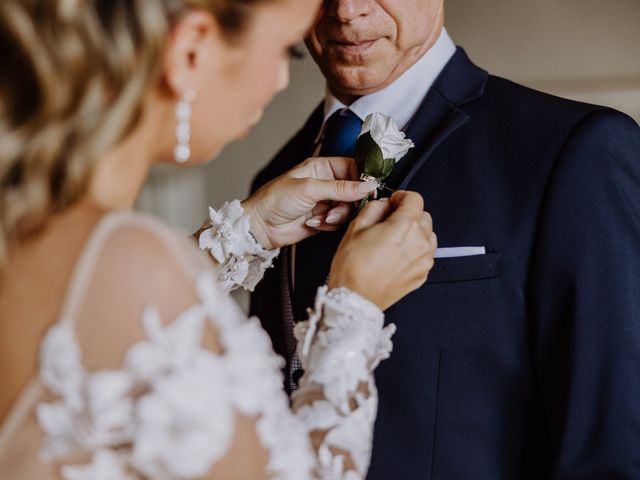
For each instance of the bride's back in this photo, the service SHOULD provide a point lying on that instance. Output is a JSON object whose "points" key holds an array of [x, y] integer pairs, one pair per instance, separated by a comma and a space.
{"points": [[97, 272], [32, 293]]}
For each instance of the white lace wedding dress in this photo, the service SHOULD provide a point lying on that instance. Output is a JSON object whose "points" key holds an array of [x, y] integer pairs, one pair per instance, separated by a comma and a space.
{"points": [[192, 388]]}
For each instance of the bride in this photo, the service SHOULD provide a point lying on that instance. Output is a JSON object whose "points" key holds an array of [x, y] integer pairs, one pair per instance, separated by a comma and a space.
{"points": [[121, 354]]}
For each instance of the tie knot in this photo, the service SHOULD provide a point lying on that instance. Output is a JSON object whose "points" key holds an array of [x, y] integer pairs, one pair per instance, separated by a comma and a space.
{"points": [[341, 133]]}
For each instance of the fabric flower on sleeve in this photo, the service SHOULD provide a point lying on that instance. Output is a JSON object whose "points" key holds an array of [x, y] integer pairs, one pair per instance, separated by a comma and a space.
{"points": [[242, 260]]}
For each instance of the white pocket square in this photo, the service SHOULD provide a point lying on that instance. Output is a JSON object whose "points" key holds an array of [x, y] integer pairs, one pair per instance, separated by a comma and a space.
{"points": [[459, 252]]}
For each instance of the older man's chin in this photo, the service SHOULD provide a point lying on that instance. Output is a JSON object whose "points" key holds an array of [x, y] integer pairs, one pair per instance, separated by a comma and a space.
{"points": [[360, 68], [356, 81]]}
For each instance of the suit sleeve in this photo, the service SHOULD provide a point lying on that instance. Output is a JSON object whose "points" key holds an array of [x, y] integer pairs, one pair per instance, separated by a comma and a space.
{"points": [[585, 302]]}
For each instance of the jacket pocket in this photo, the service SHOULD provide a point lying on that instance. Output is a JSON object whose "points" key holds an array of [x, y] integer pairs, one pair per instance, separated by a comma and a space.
{"points": [[461, 269]]}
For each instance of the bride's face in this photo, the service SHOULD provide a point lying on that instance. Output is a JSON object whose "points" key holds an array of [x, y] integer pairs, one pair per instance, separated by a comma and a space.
{"points": [[234, 81]]}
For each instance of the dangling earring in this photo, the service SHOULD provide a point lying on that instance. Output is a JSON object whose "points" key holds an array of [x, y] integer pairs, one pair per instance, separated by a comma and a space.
{"points": [[182, 152]]}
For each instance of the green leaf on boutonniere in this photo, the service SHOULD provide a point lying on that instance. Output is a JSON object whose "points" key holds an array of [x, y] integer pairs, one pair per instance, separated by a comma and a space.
{"points": [[387, 167], [370, 160], [368, 155]]}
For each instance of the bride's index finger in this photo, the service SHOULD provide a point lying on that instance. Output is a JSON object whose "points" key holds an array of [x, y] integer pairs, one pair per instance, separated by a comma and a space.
{"points": [[343, 168], [340, 168], [326, 168]]}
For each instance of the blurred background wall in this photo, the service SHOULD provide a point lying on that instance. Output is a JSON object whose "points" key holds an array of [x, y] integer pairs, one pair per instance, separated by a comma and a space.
{"points": [[588, 50]]}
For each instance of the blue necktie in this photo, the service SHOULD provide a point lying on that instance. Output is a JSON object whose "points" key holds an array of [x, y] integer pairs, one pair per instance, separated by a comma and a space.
{"points": [[341, 133]]}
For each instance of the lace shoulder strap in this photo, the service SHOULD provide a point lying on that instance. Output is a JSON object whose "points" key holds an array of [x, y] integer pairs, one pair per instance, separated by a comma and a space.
{"points": [[177, 243]]}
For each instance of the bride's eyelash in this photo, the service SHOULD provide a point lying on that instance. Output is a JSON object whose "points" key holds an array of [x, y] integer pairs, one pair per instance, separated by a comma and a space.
{"points": [[295, 53]]}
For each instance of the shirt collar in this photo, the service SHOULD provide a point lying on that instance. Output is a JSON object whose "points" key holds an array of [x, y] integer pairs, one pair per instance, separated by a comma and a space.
{"points": [[403, 97]]}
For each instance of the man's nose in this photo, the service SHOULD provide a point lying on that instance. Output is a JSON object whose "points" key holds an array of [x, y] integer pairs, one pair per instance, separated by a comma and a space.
{"points": [[348, 10]]}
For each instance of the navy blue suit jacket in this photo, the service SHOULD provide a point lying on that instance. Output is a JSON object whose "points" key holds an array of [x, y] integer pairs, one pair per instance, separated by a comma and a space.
{"points": [[523, 363]]}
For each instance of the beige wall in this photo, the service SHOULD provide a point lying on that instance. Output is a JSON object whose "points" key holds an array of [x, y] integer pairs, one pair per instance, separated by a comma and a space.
{"points": [[584, 49], [588, 50]]}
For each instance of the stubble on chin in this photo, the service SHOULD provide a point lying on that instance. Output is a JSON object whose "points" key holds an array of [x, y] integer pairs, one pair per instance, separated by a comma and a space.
{"points": [[352, 75], [350, 80], [354, 80]]}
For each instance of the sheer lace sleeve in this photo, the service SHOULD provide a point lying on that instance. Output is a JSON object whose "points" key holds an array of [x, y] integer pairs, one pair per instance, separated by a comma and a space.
{"points": [[340, 346], [157, 374]]}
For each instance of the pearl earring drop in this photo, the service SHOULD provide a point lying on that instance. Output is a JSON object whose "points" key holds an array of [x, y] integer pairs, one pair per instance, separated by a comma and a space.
{"points": [[182, 151]]}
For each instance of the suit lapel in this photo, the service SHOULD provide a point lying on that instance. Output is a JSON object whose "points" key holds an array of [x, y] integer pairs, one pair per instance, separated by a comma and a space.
{"points": [[440, 115], [434, 125]]}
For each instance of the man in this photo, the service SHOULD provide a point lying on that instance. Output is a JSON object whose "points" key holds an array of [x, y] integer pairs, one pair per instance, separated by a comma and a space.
{"points": [[520, 357]]}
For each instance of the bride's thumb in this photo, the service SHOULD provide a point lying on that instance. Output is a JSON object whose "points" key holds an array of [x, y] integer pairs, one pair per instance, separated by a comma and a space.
{"points": [[339, 190]]}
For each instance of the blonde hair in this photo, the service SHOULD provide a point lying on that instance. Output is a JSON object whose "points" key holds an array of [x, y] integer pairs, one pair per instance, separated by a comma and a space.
{"points": [[71, 87]]}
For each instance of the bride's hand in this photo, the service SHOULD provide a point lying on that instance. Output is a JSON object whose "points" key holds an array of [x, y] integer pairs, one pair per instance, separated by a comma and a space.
{"points": [[315, 196], [388, 250]]}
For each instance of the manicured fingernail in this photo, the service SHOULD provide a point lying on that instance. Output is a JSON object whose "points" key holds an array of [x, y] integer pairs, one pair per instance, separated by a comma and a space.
{"points": [[367, 187], [313, 222], [333, 218]]}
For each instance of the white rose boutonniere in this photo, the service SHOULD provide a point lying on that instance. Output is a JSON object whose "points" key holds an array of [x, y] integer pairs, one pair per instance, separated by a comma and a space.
{"points": [[379, 147]]}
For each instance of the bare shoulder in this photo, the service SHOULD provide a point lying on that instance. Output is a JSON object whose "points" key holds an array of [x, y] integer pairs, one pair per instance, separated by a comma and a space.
{"points": [[140, 263]]}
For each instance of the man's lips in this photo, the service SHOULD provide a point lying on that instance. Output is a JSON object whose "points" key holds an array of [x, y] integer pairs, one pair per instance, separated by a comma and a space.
{"points": [[352, 47]]}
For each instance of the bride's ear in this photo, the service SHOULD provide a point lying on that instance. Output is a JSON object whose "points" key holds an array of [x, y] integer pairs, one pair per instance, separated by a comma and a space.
{"points": [[194, 46]]}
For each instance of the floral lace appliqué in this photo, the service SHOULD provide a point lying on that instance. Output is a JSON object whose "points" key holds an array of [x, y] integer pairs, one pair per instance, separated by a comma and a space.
{"points": [[180, 424], [228, 239], [339, 347]]}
